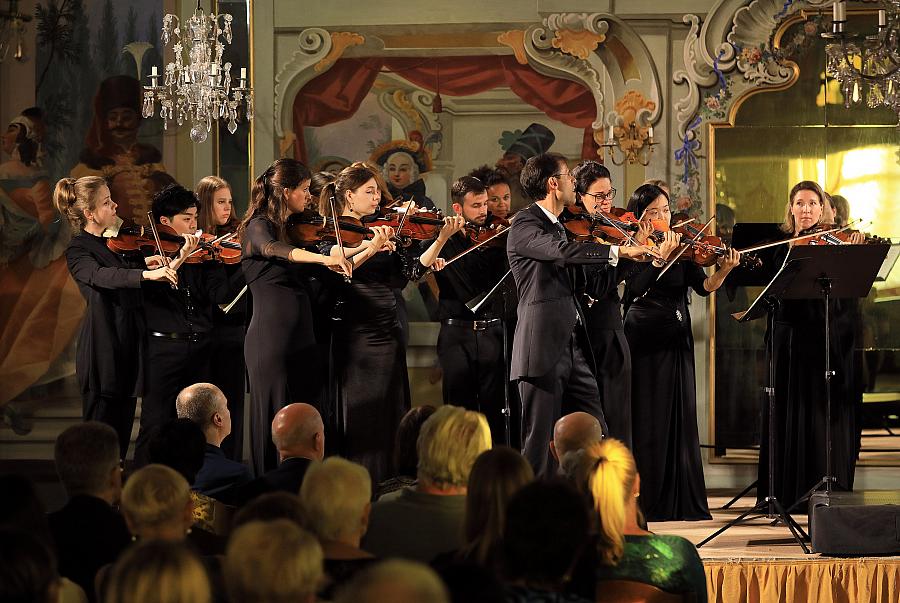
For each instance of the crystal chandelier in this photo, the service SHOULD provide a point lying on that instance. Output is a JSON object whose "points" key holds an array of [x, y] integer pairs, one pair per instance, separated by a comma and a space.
{"points": [[12, 31], [867, 67], [197, 86]]}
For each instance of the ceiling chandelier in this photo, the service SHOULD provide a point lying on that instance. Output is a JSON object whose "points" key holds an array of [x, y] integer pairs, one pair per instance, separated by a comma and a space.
{"points": [[197, 86], [867, 67], [12, 31]]}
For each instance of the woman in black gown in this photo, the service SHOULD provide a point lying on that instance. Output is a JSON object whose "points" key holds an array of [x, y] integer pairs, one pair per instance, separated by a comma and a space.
{"points": [[603, 309], [217, 217], [663, 395], [280, 347], [370, 389], [799, 346], [112, 342]]}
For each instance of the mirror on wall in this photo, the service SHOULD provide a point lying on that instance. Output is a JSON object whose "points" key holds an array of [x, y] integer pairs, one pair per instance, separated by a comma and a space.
{"points": [[779, 138]]}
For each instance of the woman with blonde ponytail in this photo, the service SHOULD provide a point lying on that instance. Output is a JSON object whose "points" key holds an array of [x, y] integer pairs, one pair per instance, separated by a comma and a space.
{"points": [[280, 346], [112, 342], [626, 550]]}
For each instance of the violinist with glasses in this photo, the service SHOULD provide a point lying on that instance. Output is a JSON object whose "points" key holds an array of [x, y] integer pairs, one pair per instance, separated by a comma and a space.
{"points": [[180, 321], [663, 391], [370, 384], [470, 344]]}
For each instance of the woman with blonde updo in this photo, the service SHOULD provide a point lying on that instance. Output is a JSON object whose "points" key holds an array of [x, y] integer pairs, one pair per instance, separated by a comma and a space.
{"points": [[627, 551], [283, 362], [157, 504], [158, 572], [372, 386], [112, 342]]}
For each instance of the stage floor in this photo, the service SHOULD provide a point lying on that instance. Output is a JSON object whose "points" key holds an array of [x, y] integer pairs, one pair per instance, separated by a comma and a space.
{"points": [[754, 540]]}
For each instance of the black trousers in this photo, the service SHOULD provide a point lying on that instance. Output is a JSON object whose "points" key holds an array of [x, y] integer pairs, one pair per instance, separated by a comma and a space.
{"points": [[172, 365], [117, 411], [228, 372], [474, 373], [570, 386]]}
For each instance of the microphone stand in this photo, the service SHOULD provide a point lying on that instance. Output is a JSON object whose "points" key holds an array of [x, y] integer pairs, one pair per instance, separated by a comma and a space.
{"points": [[474, 305]]}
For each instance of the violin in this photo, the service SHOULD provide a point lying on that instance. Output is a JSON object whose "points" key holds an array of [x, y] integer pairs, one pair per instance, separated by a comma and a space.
{"points": [[307, 228], [131, 239], [486, 235], [831, 234], [419, 225]]}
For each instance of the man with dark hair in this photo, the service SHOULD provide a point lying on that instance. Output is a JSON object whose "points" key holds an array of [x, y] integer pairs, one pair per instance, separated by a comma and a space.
{"points": [[179, 320], [88, 531], [470, 344], [206, 405], [548, 357]]}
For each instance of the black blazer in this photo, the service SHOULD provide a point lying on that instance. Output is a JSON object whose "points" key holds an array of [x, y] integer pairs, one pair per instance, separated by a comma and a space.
{"points": [[287, 477], [538, 255], [112, 342]]}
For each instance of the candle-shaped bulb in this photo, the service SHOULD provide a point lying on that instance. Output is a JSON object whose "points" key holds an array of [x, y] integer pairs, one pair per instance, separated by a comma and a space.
{"points": [[882, 18], [611, 134], [243, 73], [153, 71], [650, 132]]}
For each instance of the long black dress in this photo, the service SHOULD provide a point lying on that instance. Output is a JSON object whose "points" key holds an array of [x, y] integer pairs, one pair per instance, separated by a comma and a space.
{"points": [[112, 344], [800, 397], [663, 395], [280, 346], [370, 386], [612, 356]]}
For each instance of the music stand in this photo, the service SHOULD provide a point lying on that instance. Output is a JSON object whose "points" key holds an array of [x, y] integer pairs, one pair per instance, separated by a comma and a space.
{"points": [[833, 271], [766, 305]]}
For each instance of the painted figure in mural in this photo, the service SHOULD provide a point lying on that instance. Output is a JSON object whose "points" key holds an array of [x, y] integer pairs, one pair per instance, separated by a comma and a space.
{"points": [[40, 308], [133, 169], [402, 163], [518, 147]]}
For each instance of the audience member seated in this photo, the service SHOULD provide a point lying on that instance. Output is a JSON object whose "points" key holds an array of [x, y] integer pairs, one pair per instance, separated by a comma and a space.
{"points": [[547, 527], [397, 581], [158, 571], [272, 561], [574, 431], [157, 504], [335, 498], [273, 505], [406, 459], [627, 551], [22, 511], [206, 405], [496, 475], [299, 436], [180, 445], [88, 531], [27, 569], [421, 522]]}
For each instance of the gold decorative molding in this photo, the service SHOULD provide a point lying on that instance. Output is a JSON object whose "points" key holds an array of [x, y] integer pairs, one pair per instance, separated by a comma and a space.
{"points": [[631, 104], [285, 144], [340, 41], [515, 39], [578, 44], [403, 102]]}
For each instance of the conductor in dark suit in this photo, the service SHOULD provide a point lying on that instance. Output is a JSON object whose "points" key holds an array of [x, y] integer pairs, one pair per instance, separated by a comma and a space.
{"points": [[550, 355]]}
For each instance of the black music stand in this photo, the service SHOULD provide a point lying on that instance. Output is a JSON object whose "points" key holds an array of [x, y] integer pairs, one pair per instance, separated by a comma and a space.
{"points": [[833, 271], [766, 304]]}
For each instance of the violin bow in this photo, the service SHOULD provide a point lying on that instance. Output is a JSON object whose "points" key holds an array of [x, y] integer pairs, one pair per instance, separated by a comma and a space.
{"points": [[500, 231], [684, 248], [791, 240], [165, 259], [337, 233], [208, 244]]}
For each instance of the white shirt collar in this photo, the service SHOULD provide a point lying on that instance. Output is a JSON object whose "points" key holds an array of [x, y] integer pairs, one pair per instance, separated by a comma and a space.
{"points": [[553, 218]]}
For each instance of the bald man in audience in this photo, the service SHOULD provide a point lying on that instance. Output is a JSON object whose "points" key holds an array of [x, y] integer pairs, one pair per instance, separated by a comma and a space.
{"points": [[299, 436], [574, 431], [206, 405]]}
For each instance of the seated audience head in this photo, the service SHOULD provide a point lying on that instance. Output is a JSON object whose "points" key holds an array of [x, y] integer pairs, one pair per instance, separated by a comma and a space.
{"points": [[547, 176], [87, 461], [496, 475], [27, 569], [156, 503], [272, 561], [335, 497], [269, 506], [179, 444], [396, 580], [615, 486], [574, 431], [205, 405], [406, 457], [298, 431], [22, 509], [547, 527], [449, 442], [158, 572]]}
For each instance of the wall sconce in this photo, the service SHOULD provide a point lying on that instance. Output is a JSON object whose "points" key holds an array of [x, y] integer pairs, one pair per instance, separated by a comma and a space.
{"points": [[12, 31], [629, 142]]}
